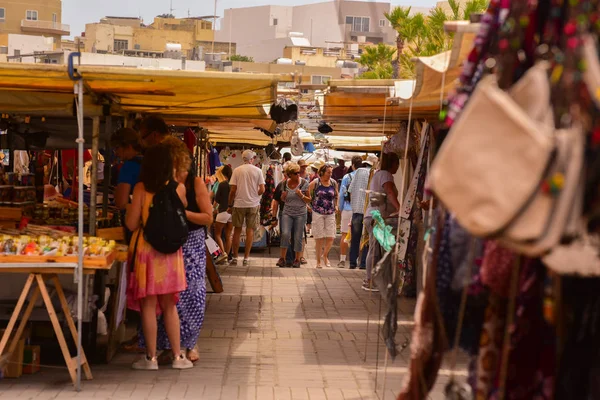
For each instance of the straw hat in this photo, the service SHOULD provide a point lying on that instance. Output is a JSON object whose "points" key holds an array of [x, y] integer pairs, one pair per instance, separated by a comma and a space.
{"points": [[317, 164], [219, 174], [372, 160]]}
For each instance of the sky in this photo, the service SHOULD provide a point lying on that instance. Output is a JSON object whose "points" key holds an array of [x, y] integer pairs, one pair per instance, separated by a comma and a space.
{"points": [[77, 15]]}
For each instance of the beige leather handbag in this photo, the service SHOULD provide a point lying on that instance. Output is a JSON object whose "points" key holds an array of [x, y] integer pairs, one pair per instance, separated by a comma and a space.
{"points": [[552, 215], [542, 223], [495, 157]]}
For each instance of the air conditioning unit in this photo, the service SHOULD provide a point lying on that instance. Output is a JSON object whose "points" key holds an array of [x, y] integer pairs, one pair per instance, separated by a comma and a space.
{"points": [[3, 49], [137, 47]]}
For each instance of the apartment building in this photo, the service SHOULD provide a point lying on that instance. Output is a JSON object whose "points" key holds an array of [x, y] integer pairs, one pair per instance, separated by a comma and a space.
{"points": [[262, 32], [123, 35], [42, 18]]}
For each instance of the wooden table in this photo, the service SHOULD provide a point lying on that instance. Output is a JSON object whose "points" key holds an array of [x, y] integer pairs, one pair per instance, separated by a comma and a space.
{"points": [[42, 269]]}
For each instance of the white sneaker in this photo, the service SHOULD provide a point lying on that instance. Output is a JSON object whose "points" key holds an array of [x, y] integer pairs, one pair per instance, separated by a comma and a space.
{"points": [[182, 362], [233, 262], [245, 262], [146, 364], [342, 264]]}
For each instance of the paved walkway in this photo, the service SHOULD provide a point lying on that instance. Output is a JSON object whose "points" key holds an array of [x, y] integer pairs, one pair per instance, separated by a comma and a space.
{"points": [[274, 334]]}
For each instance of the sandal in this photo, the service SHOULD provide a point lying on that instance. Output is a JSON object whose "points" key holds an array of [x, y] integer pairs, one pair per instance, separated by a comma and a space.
{"points": [[132, 346], [192, 355]]}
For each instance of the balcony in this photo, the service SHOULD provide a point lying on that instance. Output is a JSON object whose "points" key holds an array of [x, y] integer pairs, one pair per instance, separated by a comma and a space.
{"points": [[45, 27]]}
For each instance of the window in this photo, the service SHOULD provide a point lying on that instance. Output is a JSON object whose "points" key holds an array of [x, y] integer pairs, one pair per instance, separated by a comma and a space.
{"points": [[382, 23], [32, 15], [2, 14], [359, 24], [320, 79], [121, 45], [275, 21], [54, 18]]}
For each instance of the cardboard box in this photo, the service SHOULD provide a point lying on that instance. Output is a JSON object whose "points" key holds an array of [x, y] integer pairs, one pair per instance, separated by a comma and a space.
{"points": [[31, 359], [14, 367]]}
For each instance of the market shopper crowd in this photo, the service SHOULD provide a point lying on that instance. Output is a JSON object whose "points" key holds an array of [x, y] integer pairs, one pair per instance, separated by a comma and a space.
{"points": [[157, 180]]}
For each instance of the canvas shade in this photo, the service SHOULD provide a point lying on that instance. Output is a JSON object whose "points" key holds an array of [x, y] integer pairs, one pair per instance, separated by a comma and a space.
{"points": [[44, 89]]}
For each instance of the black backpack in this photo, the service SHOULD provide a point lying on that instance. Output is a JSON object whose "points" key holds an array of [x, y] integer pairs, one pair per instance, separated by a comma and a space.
{"points": [[347, 195], [166, 229]]}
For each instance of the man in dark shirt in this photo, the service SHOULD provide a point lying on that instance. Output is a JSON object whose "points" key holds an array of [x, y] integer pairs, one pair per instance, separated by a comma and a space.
{"points": [[338, 172]]}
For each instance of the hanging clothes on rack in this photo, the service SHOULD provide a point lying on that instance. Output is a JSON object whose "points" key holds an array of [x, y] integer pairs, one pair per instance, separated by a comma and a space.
{"points": [[273, 175], [213, 159], [517, 351]]}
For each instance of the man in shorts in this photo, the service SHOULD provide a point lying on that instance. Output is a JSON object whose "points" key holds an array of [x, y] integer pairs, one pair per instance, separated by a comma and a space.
{"points": [[345, 207], [246, 187]]}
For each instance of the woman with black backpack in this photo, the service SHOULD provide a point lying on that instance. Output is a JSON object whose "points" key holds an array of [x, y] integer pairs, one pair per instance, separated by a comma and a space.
{"points": [[158, 273], [294, 197]]}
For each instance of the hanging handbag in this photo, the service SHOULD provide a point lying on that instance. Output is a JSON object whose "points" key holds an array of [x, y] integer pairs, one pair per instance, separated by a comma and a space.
{"points": [[494, 158], [546, 218], [580, 257], [591, 75], [558, 203]]}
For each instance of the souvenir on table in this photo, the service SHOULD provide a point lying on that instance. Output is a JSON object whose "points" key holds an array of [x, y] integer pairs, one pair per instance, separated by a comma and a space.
{"points": [[25, 245]]}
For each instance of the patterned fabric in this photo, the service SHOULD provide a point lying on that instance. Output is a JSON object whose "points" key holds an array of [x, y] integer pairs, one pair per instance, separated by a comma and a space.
{"points": [[324, 199], [496, 268], [267, 197], [154, 273], [532, 358], [412, 209], [428, 341], [192, 301], [360, 183], [490, 343]]}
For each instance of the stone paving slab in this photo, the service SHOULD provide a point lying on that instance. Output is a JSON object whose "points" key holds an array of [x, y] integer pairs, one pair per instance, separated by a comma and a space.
{"points": [[273, 334]]}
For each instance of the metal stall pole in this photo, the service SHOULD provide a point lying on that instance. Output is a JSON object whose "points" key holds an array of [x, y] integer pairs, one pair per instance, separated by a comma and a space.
{"points": [[107, 166], [78, 90], [94, 177]]}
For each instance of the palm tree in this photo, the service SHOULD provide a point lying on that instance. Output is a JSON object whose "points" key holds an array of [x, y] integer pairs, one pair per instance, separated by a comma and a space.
{"points": [[378, 61], [421, 36], [400, 20]]}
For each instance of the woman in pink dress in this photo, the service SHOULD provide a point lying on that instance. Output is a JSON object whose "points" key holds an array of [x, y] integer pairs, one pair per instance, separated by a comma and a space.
{"points": [[157, 278]]}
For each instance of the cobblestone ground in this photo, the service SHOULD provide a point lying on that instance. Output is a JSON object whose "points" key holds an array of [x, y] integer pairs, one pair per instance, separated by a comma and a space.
{"points": [[274, 334]]}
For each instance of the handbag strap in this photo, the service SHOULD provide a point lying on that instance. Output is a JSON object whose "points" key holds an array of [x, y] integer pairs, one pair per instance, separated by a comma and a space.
{"points": [[137, 239]]}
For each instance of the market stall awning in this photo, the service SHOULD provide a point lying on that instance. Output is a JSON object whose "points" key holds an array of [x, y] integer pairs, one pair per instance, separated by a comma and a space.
{"points": [[436, 76], [352, 112], [237, 136], [356, 143], [43, 89]]}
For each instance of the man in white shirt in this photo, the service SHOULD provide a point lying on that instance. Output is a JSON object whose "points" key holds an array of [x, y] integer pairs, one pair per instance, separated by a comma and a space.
{"points": [[247, 184]]}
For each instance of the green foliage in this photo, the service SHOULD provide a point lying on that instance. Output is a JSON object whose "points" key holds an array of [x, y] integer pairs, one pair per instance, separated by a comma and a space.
{"points": [[237, 57], [423, 36], [378, 61]]}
